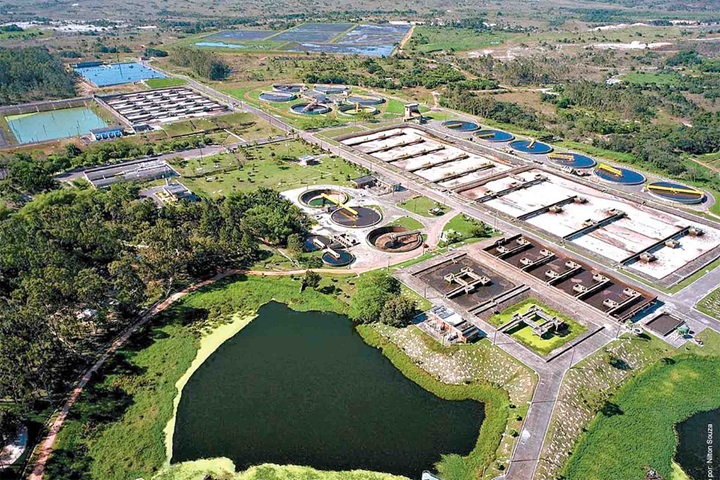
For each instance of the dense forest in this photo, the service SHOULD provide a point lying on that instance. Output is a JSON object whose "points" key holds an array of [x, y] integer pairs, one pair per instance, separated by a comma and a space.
{"points": [[77, 264], [203, 63], [31, 74]]}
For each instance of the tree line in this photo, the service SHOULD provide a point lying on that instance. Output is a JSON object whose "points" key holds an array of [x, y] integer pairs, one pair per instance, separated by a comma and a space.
{"points": [[203, 63], [32, 74]]}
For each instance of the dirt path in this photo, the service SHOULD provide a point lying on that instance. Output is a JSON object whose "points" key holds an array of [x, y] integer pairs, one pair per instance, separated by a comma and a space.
{"points": [[47, 445]]}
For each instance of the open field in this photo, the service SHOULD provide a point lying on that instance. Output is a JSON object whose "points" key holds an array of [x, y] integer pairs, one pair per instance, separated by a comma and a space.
{"points": [[422, 205], [274, 165], [427, 39], [165, 82], [408, 222]]}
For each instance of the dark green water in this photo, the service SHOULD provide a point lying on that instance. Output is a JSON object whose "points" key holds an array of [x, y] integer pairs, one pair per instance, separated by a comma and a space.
{"points": [[304, 389], [698, 451]]}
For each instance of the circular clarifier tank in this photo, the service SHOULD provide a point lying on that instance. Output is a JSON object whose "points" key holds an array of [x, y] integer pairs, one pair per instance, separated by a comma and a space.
{"points": [[357, 109], [620, 175], [277, 96], [356, 217], [492, 135], [366, 101], [322, 197], [461, 125], [307, 108], [337, 258], [574, 160], [531, 146], [394, 239], [331, 89], [676, 192], [288, 87], [314, 243]]}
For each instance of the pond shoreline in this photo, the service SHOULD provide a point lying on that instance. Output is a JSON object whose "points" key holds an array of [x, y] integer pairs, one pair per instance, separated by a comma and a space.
{"points": [[209, 343]]}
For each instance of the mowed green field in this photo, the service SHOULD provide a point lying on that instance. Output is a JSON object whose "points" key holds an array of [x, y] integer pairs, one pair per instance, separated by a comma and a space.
{"points": [[272, 165], [422, 206], [165, 82]]}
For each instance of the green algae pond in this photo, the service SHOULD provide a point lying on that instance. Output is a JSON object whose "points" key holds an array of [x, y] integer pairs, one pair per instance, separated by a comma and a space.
{"points": [[303, 388]]}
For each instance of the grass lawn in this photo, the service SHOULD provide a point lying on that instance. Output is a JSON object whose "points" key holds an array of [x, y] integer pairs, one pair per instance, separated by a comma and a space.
{"points": [[165, 82], [462, 228], [270, 165], [635, 429], [422, 205], [408, 222], [245, 125], [710, 305], [523, 333]]}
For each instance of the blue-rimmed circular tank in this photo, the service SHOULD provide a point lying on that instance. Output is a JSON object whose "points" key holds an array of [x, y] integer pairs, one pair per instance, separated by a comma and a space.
{"points": [[307, 108], [331, 89], [461, 125], [366, 101], [676, 192], [277, 96], [623, 176], [492, 135], [323, 197], [357, 109], [313, 243], [531, 146], [337, 258], [288, 87], [574, 160]]}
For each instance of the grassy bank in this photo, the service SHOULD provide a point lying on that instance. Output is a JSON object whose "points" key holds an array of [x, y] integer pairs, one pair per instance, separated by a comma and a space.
{"points": [[223, 468], [636, 429], [496, 402], [115, 431]]}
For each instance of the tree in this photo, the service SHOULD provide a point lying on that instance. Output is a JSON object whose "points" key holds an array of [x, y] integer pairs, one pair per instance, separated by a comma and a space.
{"points": [[398, 311], [296, 243], [9, 423], [373, 291], [311, 280]]}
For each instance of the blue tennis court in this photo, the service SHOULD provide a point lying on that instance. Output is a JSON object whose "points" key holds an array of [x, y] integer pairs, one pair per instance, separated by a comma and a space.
{"points": [[117, 74], [54, 124]]}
